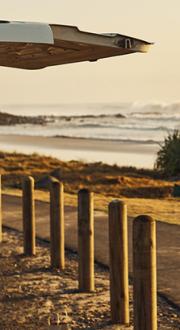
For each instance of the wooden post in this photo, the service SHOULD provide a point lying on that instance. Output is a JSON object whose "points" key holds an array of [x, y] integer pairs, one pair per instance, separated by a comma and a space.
{"points": [[57, 224], [86, 240], [144, 268], [29, 216], [0, 211], [118, 262]]}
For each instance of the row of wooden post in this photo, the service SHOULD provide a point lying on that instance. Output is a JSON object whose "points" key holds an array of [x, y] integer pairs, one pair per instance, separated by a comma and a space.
{"points": [[144, 251]]}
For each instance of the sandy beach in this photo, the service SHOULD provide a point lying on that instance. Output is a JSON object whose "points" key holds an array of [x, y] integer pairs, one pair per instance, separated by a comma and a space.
{"points": [[90, 150]]}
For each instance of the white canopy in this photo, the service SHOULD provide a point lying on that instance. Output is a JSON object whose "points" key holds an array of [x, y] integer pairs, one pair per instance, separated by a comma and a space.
{"points": [[38, 45]]}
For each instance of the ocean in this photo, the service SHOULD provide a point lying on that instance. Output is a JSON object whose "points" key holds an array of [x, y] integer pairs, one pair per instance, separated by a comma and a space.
{"points": [[141, 125], [116, 121]]}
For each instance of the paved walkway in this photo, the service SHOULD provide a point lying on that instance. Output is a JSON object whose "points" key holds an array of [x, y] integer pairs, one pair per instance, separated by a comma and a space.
{"points": [[168, 240]]}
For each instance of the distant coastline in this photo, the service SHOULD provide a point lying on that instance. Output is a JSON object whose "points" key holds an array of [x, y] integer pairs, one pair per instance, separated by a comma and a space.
{"points": [[12, 119], [7, 119]]}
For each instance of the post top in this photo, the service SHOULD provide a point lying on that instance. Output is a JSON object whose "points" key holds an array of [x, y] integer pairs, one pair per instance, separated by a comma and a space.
{"points": [[144, 219], [117, 202], [84, 191], [28, 178]]}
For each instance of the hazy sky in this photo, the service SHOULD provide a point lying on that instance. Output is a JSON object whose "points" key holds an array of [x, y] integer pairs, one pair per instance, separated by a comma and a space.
{"points": [[138, 77]]}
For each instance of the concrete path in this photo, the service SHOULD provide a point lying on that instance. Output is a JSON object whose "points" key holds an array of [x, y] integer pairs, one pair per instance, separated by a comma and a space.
{"points": [[168, 240]]}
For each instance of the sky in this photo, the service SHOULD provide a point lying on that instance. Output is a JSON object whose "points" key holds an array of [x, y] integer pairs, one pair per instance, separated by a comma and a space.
{"points": [[151, 77]]}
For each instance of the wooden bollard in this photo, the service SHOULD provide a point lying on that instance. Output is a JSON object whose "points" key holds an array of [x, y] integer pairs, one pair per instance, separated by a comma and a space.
{"points": [[0, 212], [86, 240], [29, 216], [144, 269], [57, 224], [118, 262]]}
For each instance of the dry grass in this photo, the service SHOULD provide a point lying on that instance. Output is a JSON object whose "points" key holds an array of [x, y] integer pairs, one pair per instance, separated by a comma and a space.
{"points": [[111, 180], [144, 191]]}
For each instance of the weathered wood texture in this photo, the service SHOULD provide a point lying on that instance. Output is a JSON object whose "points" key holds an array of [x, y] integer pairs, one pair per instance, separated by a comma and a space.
{"points": [[0, 211], [144, 269], [57, 240], [118, 261], [29, 216], [86, 240]]}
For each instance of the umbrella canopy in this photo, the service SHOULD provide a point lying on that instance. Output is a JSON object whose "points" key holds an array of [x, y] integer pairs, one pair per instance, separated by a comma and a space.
{"points": [[37, 45]]}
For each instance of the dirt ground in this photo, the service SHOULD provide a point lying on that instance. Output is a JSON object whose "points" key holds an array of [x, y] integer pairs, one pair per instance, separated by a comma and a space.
{"points": [[32, 293]]}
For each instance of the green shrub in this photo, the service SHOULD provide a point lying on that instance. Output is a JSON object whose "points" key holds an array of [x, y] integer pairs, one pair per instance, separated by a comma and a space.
{"points": [[168, 157]]}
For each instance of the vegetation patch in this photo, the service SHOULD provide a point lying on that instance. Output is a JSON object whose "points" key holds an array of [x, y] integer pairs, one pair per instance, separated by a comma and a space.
{"points": [[109, 180]]}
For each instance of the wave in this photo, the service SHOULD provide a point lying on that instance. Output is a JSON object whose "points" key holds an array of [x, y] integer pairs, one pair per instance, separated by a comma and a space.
{"points": [[154, 116], [121, 122], [149, 141], [67, 112], [125, 127]]}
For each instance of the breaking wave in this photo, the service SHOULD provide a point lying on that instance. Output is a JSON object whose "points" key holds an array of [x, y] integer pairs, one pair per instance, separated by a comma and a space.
{"points": [[120, 121]]}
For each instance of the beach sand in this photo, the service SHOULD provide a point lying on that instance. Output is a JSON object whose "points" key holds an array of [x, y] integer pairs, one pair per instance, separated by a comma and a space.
{"points": [[111, 152]]}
